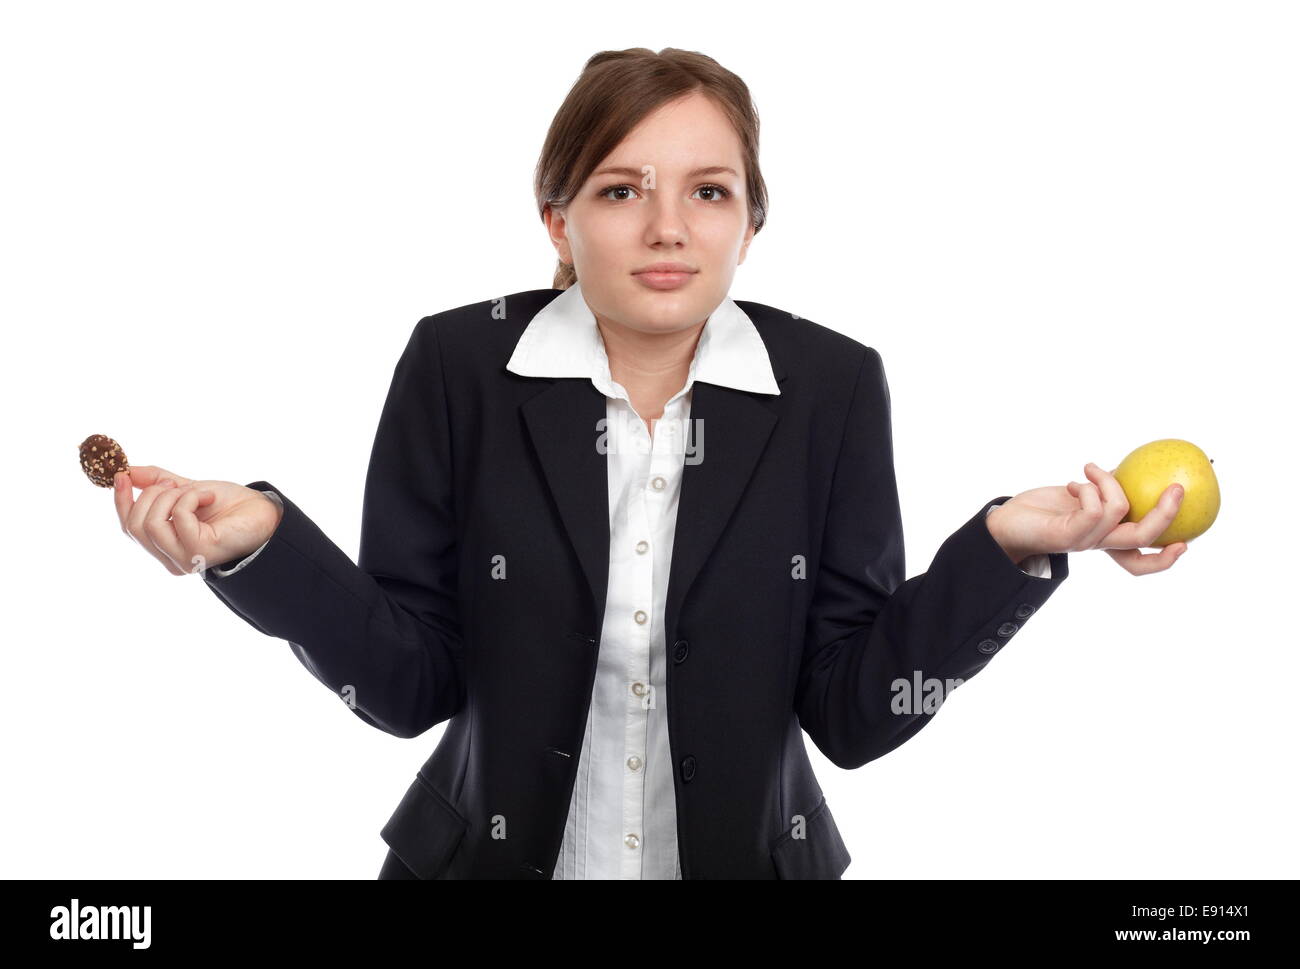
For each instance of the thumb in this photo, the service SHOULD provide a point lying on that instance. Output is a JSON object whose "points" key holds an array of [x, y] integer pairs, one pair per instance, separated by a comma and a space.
{"points": [[144, 475]]}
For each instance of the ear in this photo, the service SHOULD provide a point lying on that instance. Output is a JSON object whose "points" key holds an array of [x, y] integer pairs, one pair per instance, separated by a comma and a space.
{"points": [[744, 246], [557, 227]]}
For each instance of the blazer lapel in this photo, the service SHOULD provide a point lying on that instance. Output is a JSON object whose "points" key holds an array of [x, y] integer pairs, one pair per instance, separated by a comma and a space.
{"points": [[729, 429], [562, 421]]}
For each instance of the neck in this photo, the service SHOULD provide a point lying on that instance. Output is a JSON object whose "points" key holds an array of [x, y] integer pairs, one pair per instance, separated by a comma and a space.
{"points": [[650, 366]]}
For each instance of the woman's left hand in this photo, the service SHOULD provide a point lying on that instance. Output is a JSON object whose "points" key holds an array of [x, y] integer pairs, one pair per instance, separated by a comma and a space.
{"points": [[1087, 515]]}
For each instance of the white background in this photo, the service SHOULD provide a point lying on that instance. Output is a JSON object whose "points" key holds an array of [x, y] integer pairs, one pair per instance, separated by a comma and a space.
{"points": [[1069, 229]]}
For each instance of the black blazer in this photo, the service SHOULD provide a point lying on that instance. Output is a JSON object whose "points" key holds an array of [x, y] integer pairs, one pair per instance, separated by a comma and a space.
{"points": [[786, 603]]}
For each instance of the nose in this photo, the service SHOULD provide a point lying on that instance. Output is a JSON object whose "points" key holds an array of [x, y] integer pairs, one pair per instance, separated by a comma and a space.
{"points": [[666, 224]]}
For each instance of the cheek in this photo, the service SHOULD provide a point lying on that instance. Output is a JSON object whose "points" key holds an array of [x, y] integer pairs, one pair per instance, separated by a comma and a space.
{"points": [[597, 233], [723, 230]]}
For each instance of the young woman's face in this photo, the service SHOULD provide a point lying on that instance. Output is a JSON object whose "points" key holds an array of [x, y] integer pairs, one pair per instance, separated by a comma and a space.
{"points": [[678, 196]]}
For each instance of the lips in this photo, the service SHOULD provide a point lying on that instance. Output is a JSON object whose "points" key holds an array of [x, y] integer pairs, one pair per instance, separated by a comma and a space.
{"points": [[665, 267], [663, 280]]}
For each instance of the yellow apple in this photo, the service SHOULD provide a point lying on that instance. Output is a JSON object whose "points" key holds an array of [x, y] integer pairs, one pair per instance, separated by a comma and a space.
{"points": [[1147, 472]]}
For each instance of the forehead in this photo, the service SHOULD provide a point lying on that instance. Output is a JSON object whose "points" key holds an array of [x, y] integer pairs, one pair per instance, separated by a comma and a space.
{"points": [[681, 136]]}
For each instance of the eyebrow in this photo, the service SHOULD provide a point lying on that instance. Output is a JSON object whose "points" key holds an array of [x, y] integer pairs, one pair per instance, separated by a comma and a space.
{"points": [[637, 173]]}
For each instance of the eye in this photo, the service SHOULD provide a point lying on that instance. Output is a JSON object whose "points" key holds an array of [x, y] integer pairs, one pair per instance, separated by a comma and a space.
{"points": [[604, 193], [715, 188]]}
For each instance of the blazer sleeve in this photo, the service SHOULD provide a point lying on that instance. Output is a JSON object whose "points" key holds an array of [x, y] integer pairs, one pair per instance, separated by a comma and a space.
{"points": [[871, 637], [383, 633]]}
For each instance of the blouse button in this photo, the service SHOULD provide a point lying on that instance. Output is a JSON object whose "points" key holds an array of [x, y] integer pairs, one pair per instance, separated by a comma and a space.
{"points": [[634, 762], [638, 689], [641, 547], [658, 483], [640, 617], [631, 841]]}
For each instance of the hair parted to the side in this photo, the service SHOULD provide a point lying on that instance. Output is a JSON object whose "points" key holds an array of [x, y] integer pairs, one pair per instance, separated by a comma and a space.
{"points": [[614, 92]]}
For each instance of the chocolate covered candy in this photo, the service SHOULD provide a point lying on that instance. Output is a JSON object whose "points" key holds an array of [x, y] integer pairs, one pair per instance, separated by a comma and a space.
{"points": [[101, 458]]}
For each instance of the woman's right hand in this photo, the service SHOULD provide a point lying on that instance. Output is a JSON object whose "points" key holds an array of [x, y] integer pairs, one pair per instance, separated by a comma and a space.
{"points": [[188, 525]]}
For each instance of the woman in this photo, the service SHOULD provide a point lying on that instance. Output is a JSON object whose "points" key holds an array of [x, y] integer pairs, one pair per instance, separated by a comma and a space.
{"points": [[630, 536]]}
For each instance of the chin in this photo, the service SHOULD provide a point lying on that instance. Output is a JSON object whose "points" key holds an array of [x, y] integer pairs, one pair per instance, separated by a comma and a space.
{"points": [[662, 315]]}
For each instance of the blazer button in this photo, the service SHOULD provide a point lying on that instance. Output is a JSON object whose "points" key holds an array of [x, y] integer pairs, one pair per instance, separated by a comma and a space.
{"points": [[680, 650], [1024, 610], [988, 646], [532, 870], [688, 767], [1007, 630]]}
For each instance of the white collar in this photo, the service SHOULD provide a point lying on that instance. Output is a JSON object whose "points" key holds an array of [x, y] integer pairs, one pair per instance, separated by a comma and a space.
{"points": [[563, 340]]}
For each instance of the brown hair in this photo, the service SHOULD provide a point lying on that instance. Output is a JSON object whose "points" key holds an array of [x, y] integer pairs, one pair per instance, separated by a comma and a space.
{"points": [[618, 88]]}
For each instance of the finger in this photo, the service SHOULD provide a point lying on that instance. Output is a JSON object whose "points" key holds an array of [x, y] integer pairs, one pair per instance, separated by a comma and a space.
{"points": [[1114, 506], [1144, 563], [186, 523], [140, 508], [159, 529], [1143, 533], [135, 523], [144, 475], [1082, 522], [123, 498], [1114, 501], [1159, 518]]}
